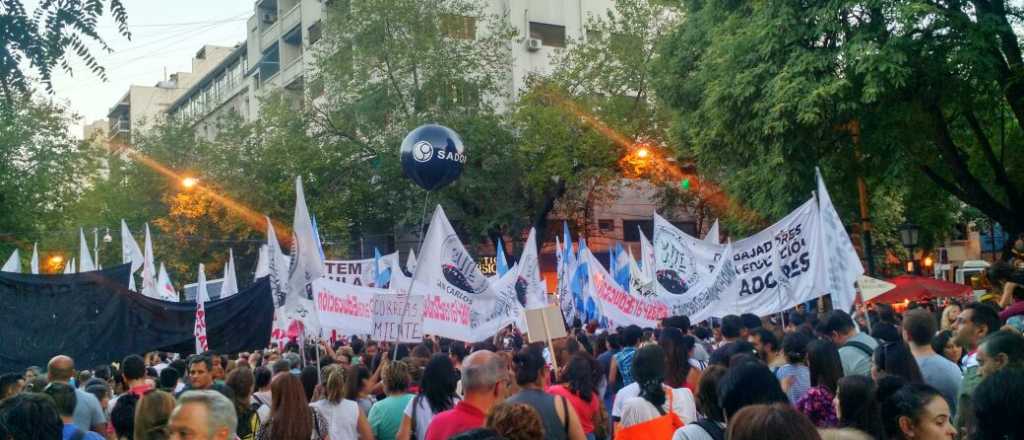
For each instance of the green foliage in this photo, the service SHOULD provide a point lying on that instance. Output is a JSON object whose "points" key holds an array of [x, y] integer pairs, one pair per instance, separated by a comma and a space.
{"points": [[43, 39], [909, 94]]}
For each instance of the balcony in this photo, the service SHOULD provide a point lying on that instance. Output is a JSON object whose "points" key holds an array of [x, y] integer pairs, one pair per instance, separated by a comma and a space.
{"points": [[291, 18]]}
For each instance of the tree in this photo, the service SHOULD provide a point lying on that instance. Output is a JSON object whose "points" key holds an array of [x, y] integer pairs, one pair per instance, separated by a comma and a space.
{"points": [[43, 38], [920, 98], [42, 174]]}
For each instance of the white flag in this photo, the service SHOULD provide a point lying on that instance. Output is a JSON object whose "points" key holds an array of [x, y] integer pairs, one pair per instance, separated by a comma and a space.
{"points": [[530, 288], [230, 285], [202, 296], [843, 266], [262, 264], [165, 287], [13, 263], [307, 265], [461, 303], [130, 251], [149, 269], [35, 258], [85, 263], [69, 267], [712, 236]]}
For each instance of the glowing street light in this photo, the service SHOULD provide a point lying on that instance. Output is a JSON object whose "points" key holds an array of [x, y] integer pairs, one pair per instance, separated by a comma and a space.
{"points": [[643, 152], [189, 182], [56, 260]]}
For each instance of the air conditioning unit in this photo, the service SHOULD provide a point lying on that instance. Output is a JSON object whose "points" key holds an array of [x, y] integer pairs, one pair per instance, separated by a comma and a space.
{"points": [[533, 44], [269, 18]]}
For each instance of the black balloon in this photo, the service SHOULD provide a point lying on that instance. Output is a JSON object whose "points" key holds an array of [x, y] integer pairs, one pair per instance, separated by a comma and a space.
{"points": [[433, 156]]}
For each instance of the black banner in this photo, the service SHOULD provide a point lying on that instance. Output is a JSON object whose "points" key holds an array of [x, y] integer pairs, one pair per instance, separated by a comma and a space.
{"points": [[95, 319]]}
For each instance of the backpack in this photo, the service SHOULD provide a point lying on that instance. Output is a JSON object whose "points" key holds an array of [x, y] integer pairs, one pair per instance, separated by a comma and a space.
{"points": [[248, 423], [713, 429], [860, 346]]}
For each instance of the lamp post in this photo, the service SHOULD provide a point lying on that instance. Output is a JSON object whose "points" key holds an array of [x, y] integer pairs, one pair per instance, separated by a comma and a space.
{"points": [[96, 243], [909, 236]]}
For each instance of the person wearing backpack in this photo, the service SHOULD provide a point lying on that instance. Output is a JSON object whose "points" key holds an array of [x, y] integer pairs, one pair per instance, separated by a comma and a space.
{"points": [[63, 396], [856, 349], [240, 381]]}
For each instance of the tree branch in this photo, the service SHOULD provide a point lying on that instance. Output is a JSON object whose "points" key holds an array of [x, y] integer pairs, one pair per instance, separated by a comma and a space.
{"points": [[998, 168]]}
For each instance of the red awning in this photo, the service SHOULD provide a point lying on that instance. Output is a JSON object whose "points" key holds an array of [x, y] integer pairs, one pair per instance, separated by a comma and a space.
{"points": [[914, 288]]}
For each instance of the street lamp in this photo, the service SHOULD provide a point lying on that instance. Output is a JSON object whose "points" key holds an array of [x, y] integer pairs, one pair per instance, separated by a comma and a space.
{"points": [[909, 236], [189, 182]]}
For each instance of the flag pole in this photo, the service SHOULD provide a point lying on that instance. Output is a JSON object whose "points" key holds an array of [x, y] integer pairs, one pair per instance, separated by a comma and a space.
{"points": [[408, 292]]}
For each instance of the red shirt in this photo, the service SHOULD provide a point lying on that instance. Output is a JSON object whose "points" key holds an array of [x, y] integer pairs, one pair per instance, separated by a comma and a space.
{"points": [[455, 421], [585, 410]]}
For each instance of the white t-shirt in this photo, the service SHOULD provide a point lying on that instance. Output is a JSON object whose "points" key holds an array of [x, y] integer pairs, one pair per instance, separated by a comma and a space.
{"points": [[342, 418], [423, 415], [682, 402]]}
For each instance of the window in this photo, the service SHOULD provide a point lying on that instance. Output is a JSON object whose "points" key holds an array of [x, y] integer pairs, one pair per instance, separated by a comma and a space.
{"points": [[631, 229], [549, 34], [606, 225], [315, 32], [270, 64], [959, 232], [458, 26]]}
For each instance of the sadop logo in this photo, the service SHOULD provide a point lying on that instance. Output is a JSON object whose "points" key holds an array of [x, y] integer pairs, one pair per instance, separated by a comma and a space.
{"points": [[422, 151], [459, 269]]}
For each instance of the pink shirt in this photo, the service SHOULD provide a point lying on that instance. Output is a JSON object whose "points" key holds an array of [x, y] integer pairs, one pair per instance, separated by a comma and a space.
{"points": [[585, 410]]}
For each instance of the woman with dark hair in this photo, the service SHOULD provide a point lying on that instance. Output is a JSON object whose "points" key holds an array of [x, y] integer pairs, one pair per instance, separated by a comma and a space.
{"points": [[652, 413], [437, 394], [825, 369], [778, 421], [945, 345], [291, 417], [261, 391], [917, 412], [998, 406], [679, 401], [358, 387], [558, 417], [857, 406], [712, 423], [749, 383], [240, 382], [310, 379], [677, 349], [580, 377], [794, 376], [895, 358]]}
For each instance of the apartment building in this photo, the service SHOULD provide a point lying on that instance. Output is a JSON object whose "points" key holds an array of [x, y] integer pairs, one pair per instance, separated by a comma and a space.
{"points": [[143, 106]]}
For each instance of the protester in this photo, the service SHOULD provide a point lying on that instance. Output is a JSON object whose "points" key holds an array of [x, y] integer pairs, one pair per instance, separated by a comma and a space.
{"points": [[778, 421], [32, 416], [88, 415], [825, 370], [335, 414], [310, 378], [152, 414], [122, 416], [895, 358], [700, 357], [937, 371], [240, 382], [949, 315], [169, 380], [200, 375], [857, 406], [855, 348], [998, 405], [515, 421], [656, 410], [944, 344], [999, 350], [580, 388], [974, 324], [290, 415], [484, 382], [711, 424], [10, 384], [558, 417], [915, 412], [680, 372], [768, 348], [261, 393], [437, 394], [620, 372], [748, 383], [733, 333], [386, 415], [358, 387], [794, 376], [64, 398], [203, 414]]}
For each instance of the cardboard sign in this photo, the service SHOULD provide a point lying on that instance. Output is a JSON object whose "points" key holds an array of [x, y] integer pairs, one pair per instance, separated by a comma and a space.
{"points": [[545, 324], [397, 318]]}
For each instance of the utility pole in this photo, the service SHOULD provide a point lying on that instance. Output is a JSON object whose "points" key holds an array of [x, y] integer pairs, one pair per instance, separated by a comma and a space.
{"points": [[862, 192]]}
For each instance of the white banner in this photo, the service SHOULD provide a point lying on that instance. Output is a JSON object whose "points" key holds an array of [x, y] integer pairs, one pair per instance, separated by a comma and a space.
{"points": [[397, 318], [844, 266], [774, 270], [460, 302], [343, 307]]}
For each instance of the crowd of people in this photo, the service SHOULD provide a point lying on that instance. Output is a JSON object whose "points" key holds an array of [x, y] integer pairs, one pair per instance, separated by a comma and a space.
{"points": [[931, 372]]}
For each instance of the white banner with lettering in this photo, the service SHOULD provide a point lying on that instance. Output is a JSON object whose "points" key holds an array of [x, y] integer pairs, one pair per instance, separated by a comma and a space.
{"points": [[397, 318], [774, 270], [363, 273], [346, 308]]}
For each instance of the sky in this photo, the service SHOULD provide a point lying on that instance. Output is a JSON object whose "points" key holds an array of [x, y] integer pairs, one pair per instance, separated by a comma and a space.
{"points": [[165, 35]]}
